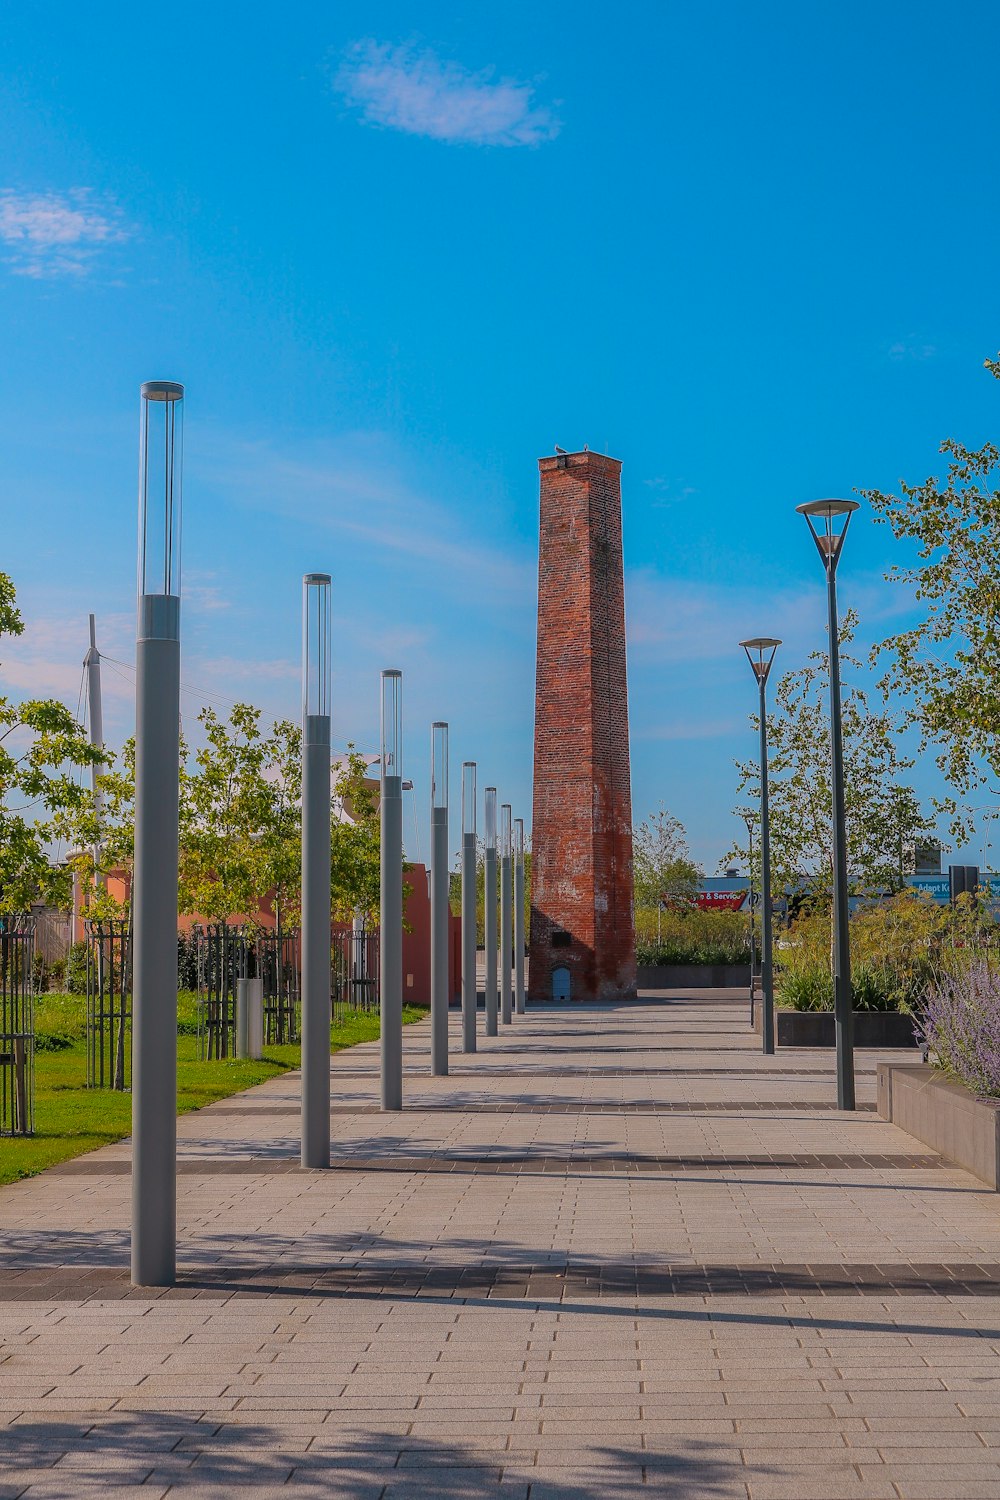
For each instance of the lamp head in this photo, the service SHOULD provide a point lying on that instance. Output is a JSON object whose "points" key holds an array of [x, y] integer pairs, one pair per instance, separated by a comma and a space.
{"points": [[823, 518], [760, 651]]}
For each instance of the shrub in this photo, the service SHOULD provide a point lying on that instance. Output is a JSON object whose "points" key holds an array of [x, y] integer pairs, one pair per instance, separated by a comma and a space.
{"points": [[960, 1025], [76, 969], [688, 935], [896, 949]]}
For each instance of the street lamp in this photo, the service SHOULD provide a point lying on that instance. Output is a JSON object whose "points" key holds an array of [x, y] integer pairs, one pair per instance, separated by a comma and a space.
{"points": [[391, 894], [490, 909], [822, 518], [315, 1148], [154, 894], [439, 899], [760, 654], [469, 984], [749, 821]]}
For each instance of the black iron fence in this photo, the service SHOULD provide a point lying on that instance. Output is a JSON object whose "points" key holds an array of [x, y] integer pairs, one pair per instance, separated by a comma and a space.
{"points": [[354, 971], [17, 1027], [109, 1003]]}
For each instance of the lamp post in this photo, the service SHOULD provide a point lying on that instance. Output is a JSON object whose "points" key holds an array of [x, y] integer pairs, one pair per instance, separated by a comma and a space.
{"points": [[439, 899], [469, 984], [391, 896], [316, 589], [748, 819], [519, 916], [821, 516], [505, 914], [154, 894], [760, 654], [490, 909]]}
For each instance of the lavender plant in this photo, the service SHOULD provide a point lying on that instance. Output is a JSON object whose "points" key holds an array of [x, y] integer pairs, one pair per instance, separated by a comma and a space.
{"points": [[961, 1026]]}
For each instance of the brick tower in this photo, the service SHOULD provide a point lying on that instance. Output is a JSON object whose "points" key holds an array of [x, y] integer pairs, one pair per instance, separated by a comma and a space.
{"points": [[582, 934]]}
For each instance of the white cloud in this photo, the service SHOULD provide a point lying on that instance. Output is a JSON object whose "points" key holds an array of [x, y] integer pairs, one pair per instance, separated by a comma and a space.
{"points": [[57, 234], [355, 488], [912, 347], [414, 91]]}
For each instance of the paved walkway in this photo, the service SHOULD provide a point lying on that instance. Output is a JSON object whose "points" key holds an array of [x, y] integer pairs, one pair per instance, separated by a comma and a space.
{"points": [[615, 1249]]}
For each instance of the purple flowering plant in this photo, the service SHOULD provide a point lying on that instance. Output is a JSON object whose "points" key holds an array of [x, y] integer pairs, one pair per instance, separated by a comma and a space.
{"points": [[960, 1025]]}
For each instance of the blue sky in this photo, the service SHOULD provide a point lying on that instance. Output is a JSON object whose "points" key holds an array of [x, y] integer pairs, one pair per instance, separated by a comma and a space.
{"points": [[396, 253]]}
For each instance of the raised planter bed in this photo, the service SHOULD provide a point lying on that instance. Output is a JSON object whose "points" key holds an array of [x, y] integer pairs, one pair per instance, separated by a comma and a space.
{"points": [[693, 976], [944, 1116], [817, 1028]]}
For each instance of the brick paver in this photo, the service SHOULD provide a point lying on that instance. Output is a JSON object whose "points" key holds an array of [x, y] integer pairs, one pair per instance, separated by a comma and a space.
{"points": [[615, 1249]]}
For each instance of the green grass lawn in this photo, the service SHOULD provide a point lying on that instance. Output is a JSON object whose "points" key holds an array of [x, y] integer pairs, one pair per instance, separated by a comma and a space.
{"points": [[71, 1119]]}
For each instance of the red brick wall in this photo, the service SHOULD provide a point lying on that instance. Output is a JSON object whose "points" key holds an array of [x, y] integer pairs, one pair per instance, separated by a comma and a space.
{"points": [[581, 847]]}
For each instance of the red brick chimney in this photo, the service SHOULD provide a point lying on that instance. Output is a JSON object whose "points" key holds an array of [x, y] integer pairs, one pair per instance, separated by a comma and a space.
{"points": [[582, 933]]}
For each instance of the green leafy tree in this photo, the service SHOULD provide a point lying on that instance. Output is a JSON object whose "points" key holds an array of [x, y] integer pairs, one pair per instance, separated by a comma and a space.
{"points": [[224, 805], [276, 856], [355, 841], [661, 861], [948, 666], [114, 840], [42, 750], [884, 815]]}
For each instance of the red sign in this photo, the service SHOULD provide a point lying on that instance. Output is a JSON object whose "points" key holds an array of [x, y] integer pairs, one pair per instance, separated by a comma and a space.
{"points": [[720, 900]]}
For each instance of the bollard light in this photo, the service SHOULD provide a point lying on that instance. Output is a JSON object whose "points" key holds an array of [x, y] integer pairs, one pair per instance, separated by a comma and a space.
{"points": [[439, 899], [154, 892], [505, 913], [490, 906], [519, 916], [391, 895], [469, 901], [316, 897]]}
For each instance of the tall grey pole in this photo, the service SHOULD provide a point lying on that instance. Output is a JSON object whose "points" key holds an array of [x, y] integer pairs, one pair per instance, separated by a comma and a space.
{"points": [[316, 903], [490, 908], [748, 819], [760, 653], [470, 984], [519, 916], [391, 903], [830, 545], [95, 721], [154, 892], [439, 900], [505, 915], [766, 951]]}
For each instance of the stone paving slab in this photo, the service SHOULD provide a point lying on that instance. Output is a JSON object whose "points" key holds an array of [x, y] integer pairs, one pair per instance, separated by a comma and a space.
{"points": [[616, 1250]]}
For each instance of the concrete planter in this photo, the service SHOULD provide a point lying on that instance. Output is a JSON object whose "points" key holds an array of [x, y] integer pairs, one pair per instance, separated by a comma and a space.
{"points": [[816, 1028], [944, 1115], [693, 976]]}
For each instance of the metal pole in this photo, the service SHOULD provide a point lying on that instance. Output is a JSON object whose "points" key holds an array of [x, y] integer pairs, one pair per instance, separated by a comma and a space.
{"points": [[439, 900], [519, 916], [842, 996], [316, 913], [469, 981], [830, 544], [766, 953], [753, 922], [490, 912], [316, 941], [154, 892], [95, 720], [505, 915], [391, 902]]}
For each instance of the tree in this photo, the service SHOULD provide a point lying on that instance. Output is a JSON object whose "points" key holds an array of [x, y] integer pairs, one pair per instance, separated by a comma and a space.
{"points": [[883, 813], [355, 842], [42, 747], [947, 666], [661, 861], [224, 807]]}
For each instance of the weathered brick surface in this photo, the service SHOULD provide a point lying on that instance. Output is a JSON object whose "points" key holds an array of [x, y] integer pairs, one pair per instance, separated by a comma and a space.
{"points": [[582, 827]]}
